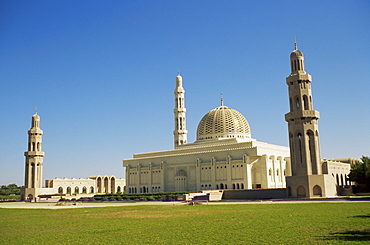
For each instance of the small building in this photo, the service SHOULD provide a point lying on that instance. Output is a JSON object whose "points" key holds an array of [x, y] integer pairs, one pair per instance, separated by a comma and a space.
{"points": [[68, 188]]}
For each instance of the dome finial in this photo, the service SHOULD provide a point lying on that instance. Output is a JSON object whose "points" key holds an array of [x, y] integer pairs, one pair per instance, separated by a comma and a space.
{"points": [[222, 100], [295, 44], [178, 72], [36, 110]]}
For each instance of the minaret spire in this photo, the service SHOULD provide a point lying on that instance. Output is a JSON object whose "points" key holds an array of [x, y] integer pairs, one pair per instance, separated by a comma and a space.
{"points": [[222, 100], [295, 44], [180, 133]]}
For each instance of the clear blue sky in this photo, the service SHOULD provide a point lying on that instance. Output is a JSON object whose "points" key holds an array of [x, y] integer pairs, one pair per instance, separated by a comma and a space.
{"points": [[102, 75]]}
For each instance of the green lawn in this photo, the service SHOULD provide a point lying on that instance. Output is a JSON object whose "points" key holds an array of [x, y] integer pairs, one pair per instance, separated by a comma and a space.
{"points": [[300, 223]]}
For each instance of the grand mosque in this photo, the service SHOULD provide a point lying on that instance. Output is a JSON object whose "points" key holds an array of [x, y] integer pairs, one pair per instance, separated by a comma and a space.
{"points": [[224, 156]]}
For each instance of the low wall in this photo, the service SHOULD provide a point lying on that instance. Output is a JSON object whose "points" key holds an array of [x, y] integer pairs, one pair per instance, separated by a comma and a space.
{"points": [[255, 194]]}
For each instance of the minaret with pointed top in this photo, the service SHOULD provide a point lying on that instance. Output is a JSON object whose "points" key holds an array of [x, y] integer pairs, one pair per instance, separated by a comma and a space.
{"points": [[307, 178], [34, 160], [180, 133]]}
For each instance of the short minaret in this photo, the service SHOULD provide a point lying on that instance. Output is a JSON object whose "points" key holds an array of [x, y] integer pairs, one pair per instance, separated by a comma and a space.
{"points": [[180, 133], [34, 161], [307, 179]]}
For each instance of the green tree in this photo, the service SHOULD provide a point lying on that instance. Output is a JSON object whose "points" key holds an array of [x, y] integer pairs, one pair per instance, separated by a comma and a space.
{"points": [[360, 172], [10, 189]]}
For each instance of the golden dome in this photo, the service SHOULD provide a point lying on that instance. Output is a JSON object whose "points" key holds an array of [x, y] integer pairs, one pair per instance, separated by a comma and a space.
{"points": [[223, 122]]}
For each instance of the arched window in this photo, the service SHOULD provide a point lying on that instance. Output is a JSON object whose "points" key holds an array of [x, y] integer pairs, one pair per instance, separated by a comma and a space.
{"points": [[60, 190], [106, 181], [301, 191], [237, 186], [291, 144], [112, 185], [311, 151], [297, 104], [242, 186], [91, 189], [99, 184], [337, 179], [77, 190], [299, 136], [295, 65], [119, 189], [317, 190], [68, 190], [84, 189], [233, 186], [32, 175], [298, 65], [221, 186], [305, 102]]}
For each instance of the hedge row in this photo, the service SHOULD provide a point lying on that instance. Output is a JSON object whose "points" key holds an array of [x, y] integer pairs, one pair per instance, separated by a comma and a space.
{"points": [[131, 197]]}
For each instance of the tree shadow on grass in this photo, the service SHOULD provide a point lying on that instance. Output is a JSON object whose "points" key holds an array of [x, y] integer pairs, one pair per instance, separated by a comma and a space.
{"points": [[362, 216], [350, 235]]}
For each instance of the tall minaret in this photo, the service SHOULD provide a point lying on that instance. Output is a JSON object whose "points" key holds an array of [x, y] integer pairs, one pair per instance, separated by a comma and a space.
{"points": [[34, 160], [302, 119], [180, 133], [303, 131]]}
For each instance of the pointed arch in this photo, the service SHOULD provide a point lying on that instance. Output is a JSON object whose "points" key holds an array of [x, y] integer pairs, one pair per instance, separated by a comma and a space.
{"points": [[306, 105], [299, 137], [301, 191], [112, 184], [312, 151], [317, 190]]}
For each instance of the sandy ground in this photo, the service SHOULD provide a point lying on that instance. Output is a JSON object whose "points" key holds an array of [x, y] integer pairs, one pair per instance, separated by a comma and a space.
{"points": [[45, 205]]}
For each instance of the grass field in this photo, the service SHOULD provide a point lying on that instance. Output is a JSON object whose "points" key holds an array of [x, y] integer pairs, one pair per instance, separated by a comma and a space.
{"points": [[300, 223]]}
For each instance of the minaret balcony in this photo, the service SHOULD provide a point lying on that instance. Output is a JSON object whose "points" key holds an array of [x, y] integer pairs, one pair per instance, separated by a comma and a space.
{"points": [[34, 153], [298, 76], [304, 113]]}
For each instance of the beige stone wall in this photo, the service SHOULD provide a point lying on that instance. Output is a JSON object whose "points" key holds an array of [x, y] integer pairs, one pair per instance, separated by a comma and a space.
{"points": [[223, 164]]}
